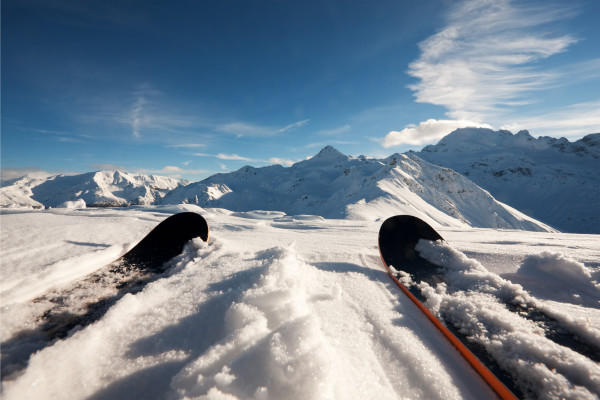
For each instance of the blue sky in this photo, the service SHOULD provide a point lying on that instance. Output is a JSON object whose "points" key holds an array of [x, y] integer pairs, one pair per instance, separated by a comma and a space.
{"points": [[192, 88]]}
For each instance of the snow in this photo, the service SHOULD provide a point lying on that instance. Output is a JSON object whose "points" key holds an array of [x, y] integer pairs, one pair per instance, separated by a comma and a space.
{"points": [[333, 185], [330, 185], [284, 306], [470, 292], [97, 189], [552, 180]]}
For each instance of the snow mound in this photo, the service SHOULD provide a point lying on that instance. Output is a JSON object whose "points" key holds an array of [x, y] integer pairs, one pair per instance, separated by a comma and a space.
{"points": [[271, 333], [570, 280], [79, 203]]}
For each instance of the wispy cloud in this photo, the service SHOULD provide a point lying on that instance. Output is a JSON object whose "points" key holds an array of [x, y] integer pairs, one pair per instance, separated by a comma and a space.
{"points": [[241, 129], [427, 131], [7, 174], [172, 171], [223, 156], [293, 126], [484, 60], [138, 116], [236, 157]]}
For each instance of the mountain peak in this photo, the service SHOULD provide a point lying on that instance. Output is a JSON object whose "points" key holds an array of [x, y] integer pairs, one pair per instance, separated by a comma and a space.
{"points": [[329, 152]]}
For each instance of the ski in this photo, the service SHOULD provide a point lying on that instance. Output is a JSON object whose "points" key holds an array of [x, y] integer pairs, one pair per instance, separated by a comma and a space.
{"points": [[398, 237], [89, 299], [419, 278]]}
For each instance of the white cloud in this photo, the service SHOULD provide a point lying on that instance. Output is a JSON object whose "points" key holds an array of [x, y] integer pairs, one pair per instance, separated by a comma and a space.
{"points": [[281, 161], [426, 132], [241, 129], [7, 174], [484, 59], [138, 116], [223, 156], [172, 171], [293, 126]]}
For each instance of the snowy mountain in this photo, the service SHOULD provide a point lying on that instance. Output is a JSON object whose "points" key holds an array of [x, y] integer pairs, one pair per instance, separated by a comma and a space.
{"points": [[95, 189], [551, 180], [330, 184], [334, 185]]}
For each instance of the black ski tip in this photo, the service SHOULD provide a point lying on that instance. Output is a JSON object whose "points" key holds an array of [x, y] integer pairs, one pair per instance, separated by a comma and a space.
{"points": [[168, 239], [399, 235]]}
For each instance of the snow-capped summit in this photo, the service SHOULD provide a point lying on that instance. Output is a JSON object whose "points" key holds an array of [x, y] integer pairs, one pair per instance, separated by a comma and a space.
{"points": [[553, 180], [330, 153], [469, 140]]}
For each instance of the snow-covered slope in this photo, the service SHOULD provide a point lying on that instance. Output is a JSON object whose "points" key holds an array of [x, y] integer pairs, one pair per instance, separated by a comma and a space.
{"points": [[334, 185], [17, 193], [97, 189], [552, 180], [282, 307]]}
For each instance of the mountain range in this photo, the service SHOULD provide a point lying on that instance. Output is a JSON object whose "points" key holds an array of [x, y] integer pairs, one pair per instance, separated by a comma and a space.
{"points": [[550, 180]]}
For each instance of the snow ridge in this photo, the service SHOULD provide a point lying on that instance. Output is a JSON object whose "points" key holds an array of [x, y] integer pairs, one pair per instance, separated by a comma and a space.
{"points": [[552, 180]]}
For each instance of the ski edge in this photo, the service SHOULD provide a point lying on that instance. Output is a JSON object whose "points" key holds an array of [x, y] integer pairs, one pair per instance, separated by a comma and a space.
{"points": [[490, 379]]}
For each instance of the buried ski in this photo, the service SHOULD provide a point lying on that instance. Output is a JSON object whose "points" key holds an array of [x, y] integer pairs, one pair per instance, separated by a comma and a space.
{"points": [[496, 320], [397, 239], [87, 300]]}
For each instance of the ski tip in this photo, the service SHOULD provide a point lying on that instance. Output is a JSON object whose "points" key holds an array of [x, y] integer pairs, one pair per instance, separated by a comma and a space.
{"points": [[169, 237], [400, 234]]}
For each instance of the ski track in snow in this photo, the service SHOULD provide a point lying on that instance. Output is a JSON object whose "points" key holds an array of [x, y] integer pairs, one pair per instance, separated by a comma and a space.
{"points": [[278, 306], [473, 299]]}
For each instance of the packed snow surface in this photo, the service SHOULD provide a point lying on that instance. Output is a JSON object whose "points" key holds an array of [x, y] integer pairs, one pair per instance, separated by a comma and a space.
{"points": [[283, 306]]}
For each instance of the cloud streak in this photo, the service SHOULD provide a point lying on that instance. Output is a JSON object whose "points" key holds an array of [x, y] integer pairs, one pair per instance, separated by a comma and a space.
{"points": [[484, 60], [241, 129], [223, 156]]}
